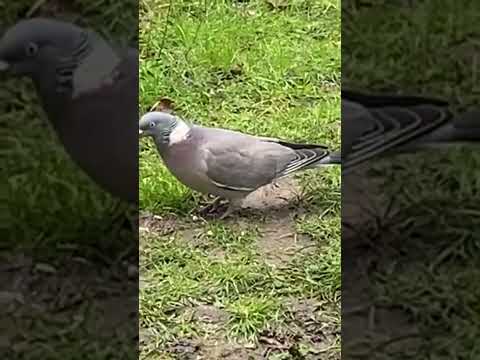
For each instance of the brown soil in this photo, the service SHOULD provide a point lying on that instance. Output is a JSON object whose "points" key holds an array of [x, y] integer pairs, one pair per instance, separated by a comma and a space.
{"points": [[368, 328], [43, 302]]}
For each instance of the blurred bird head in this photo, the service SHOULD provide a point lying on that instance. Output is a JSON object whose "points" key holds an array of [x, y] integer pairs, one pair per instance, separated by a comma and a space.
{"points": [[166, 129], [30, 46]]}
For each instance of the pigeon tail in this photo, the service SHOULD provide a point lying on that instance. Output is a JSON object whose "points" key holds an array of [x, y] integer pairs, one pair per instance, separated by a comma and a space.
{"points": [[465, 129], [308, 156], [334, 158]]}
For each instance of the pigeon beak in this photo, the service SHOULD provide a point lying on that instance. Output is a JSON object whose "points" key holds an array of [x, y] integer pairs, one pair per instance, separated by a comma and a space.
{"points": [[4, 65], [140, 132]]}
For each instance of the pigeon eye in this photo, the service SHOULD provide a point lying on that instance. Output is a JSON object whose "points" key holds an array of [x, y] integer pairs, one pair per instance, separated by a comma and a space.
{"points": [[152, 124], [31, 49]]}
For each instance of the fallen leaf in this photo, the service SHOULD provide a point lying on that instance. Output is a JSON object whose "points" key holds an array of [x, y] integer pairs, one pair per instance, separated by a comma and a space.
{"points": [[164, 105]]}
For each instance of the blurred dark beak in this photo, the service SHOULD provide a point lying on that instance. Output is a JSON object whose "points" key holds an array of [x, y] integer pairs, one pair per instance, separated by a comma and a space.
{"points": [[4, 66]]}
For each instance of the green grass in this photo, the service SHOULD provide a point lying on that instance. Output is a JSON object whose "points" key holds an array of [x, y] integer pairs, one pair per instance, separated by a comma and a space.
{"points": [[261, 69], [249, 314], [427, 48]]}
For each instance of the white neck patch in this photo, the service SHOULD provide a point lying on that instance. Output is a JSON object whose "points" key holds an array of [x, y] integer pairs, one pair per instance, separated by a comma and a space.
{"points": [[96, 70], [179, 133]]}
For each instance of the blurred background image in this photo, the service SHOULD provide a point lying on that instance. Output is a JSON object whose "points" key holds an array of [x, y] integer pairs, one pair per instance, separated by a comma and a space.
{"points": [[409, 239], [69, 243]]}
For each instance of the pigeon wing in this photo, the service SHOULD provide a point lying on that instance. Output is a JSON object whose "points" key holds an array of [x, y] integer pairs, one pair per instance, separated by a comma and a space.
{"points": [[243, 163]]}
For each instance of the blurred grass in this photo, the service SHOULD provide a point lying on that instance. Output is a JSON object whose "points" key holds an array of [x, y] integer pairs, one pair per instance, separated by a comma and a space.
{"points": [[430, 48], [262, 67]]}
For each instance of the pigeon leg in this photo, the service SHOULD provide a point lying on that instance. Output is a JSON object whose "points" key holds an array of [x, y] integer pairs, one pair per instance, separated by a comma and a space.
{"points": [[211, 206], [234, 205]]}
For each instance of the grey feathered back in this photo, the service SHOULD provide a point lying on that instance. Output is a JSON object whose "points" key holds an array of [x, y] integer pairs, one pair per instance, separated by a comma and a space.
{"points": [[240, 161], [99, 129]]}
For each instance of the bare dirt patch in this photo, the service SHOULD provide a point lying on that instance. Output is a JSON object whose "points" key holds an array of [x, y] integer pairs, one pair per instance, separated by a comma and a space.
{"points": [[213, 349], [280, 242], [316, 325], [184, 349], [275, 196], [215, 343], [365, 202], [159, 225], [214, 318], [281, 196], [311, 332], [369, 328], [63, 298], [228, 351]]}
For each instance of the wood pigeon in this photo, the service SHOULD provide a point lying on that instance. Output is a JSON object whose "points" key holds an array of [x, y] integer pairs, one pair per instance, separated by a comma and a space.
{"points": [[226, 163]]}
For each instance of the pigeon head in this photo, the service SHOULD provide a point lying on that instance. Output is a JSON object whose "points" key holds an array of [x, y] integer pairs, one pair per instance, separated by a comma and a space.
{"points": [[30, 46], [165, 128]]}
